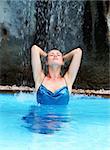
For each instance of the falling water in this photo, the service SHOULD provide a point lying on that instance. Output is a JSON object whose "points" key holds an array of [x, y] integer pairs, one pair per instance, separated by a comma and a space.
{"points": [[59, 24]]}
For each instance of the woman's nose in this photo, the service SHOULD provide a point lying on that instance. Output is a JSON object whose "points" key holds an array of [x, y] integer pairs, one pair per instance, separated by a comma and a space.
{"points": [[55, 55]]}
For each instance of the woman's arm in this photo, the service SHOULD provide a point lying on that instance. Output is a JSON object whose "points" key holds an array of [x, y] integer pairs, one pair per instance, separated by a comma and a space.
{"points": [[75, 57], [38, 73]]}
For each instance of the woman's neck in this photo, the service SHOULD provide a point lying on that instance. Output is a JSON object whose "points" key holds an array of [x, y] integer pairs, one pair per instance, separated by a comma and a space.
{"points": [[54, 73]]}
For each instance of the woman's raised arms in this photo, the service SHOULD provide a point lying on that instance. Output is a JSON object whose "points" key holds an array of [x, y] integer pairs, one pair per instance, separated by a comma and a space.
{"points": [[38, 73], [75, 57]]}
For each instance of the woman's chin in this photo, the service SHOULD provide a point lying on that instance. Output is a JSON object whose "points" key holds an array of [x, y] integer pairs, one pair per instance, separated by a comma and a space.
{"points": [[55, 65]]}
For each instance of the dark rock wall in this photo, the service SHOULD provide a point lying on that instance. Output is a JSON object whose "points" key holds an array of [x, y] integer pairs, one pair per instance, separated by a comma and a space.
{"points": [[54, 24], [97, 46], [17, 30]]}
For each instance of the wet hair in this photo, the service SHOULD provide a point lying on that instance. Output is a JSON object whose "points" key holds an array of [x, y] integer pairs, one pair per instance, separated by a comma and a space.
{"points": [[55, 49]]}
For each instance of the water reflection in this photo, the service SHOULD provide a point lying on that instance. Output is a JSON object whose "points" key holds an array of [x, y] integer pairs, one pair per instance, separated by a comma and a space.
{"points": [[46, 119]]}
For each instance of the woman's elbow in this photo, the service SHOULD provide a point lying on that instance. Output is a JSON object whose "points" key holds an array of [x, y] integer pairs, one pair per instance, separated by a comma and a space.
{"points": [[35, 48], [78, 51]]}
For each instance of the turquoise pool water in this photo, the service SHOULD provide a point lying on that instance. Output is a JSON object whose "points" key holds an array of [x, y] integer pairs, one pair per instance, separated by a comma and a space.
{"points": [[83, 125]]}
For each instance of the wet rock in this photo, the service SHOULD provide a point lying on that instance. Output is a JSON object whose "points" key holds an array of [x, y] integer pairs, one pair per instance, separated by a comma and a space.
{"points": [[17, 28]]}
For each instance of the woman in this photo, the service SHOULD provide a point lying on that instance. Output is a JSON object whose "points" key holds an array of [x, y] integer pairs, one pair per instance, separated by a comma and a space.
{"points": [[54, 89]]}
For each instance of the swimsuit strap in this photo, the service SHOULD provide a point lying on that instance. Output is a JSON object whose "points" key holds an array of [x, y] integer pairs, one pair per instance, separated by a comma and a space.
{"points": [[43, 80], [65, 81]]}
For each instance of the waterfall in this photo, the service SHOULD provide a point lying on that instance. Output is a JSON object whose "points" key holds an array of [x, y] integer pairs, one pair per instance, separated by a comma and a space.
{"points": [[60, 24]]}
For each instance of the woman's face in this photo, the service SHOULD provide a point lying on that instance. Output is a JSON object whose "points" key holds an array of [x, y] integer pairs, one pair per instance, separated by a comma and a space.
{"points": [[55, 57]]}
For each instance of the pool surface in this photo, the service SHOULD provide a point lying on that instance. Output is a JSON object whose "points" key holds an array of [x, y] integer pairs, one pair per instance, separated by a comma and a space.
{"points": [[84, 124]]}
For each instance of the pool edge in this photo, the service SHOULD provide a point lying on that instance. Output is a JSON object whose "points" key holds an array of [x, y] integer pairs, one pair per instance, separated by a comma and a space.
{"points": [[16, 89]]}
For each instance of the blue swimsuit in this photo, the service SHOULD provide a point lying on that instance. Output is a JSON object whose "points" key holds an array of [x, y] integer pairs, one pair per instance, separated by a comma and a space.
{"points": [[59, 97]]}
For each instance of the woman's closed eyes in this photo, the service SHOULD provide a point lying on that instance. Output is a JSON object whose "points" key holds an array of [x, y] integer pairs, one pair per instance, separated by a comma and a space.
{"points": [[54, 54]]}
